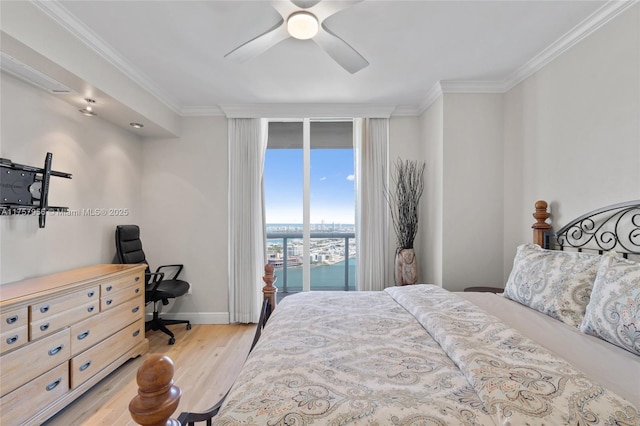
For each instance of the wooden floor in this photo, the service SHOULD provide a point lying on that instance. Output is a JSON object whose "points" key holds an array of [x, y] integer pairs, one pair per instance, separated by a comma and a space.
{"points": [[207, 360]]}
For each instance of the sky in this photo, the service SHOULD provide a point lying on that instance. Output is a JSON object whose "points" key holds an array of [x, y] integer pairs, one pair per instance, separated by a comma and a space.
{"points": [[332, 186]]}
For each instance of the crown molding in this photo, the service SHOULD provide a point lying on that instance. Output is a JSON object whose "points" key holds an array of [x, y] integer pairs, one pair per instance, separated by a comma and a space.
{"points": [[472, 86], [432, 95], [611, 9], [407, 111], [585, 28], [588, 26], [442, 87], [295, 110], [202, 111], [56, 11]]}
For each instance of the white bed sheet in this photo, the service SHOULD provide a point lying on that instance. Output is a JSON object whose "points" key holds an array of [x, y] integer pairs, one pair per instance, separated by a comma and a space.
{"points": [[611, 366]]}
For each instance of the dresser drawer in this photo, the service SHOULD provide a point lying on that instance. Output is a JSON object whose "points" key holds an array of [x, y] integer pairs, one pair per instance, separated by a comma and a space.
{"points": [[115, 298], [121, 283], [13, 339], [53, 323], [88, 363], [37, 317], [13, 319], [92, 330], [58, 305], [30, 361], [24, 402]]}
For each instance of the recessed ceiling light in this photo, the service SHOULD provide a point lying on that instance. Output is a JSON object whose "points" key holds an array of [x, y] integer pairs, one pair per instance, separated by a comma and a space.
{"points": [[136, 125], [302, 25], [88, 110]]}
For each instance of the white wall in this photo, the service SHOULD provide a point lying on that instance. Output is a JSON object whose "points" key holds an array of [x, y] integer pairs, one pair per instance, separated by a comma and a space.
{"points": [[472, 190], [462, 212], [105, 163], [184, 199], [572, 132], [180, 201], [431, 231]]}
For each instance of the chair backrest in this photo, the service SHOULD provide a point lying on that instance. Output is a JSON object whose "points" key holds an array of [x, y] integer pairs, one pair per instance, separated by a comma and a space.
{"points": [[129, 245]]}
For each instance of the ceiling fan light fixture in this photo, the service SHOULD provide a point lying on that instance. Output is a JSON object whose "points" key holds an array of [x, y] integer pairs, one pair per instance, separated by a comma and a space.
{"points": [[302, 25]]}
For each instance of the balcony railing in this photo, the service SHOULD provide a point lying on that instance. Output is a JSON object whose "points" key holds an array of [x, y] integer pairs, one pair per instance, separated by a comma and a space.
{"points": [[287, 236]]}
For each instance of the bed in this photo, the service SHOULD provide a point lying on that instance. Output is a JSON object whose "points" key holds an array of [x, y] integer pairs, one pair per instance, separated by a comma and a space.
{"points": [[560, 346]]}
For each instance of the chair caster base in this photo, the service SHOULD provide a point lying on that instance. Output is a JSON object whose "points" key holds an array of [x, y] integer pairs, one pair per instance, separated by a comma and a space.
{"points": [[188, 326], [172, 340]]}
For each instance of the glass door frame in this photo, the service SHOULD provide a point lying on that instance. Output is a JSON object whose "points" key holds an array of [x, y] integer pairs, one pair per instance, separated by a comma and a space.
{"points": [[306, 195]]}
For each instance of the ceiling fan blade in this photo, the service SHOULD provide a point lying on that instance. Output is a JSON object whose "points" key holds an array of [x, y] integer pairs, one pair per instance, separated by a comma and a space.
{"points": [[259, 44], [305, 4], [325, 9], [346, 56]]}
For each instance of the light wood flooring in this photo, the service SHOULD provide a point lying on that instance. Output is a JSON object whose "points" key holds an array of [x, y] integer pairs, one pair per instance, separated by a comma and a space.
{"points": [[207, 360]]}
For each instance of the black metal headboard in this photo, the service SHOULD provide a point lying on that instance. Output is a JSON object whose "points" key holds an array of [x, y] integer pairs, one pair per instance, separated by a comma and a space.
{"points": [[615, 227]]}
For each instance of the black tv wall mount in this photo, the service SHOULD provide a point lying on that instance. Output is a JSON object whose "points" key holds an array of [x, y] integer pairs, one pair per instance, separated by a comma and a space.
{"points": [[24, 190]]}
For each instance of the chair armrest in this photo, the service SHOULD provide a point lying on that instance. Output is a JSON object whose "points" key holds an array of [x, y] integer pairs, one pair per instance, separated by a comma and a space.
{"points": [[179, 266], [154, 278]]}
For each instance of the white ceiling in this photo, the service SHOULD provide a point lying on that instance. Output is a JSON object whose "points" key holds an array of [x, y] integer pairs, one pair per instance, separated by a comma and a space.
{"points": [[175, 49]]}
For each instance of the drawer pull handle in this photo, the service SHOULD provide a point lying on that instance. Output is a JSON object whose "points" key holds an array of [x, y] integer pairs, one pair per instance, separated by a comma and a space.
{"points": [[134, 310], [44, 326], [137, 290], [11, 340], [12, 319], [137, 279], [109, 301], [52, 386], [90, 309], [91, 293], [135, 333], [85, 366], [44, 309], [83, 335], [55, 350], [109, 287]]}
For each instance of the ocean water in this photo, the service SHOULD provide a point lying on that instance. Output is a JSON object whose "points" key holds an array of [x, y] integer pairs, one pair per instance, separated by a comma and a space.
{"points": [[323, 277]]}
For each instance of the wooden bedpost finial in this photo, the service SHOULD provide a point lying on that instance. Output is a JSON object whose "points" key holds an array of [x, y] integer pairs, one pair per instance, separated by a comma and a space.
{"points": [[541, 226], [269, 290], [157, 397]]}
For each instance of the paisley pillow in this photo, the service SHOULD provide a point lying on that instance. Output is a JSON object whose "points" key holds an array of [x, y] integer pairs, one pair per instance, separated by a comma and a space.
{"points": [[556, 283], [613, 314]]}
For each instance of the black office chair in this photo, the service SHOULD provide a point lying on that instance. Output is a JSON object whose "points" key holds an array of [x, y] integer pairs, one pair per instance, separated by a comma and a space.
{"points": [[158, 289]]}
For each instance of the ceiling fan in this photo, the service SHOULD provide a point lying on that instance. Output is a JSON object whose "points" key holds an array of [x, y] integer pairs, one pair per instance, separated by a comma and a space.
{"points": [[304, 19]]}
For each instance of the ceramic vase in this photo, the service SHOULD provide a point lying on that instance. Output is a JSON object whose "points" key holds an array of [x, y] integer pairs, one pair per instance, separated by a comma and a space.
{"points": [[406, 268]]}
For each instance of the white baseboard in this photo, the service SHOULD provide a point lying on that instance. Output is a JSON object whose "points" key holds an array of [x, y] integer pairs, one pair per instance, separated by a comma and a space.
{"points": [[197, 317]]}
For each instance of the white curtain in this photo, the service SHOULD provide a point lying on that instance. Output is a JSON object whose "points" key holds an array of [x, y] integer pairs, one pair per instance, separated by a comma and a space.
{"points": [[371, 146], [247, 253]]}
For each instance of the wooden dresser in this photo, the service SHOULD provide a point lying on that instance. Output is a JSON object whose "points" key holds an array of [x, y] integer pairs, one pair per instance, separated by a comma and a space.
{"points": [[60, 334]]}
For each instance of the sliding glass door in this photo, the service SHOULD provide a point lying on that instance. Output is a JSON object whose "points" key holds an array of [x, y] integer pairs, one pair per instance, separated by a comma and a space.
{"points": [[309, 195]]}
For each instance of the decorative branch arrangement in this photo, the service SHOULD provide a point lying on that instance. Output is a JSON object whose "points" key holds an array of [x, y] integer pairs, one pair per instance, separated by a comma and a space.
{"points": [[409, 185]]}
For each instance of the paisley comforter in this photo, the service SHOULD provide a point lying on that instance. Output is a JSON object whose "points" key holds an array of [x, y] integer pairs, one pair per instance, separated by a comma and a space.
{"points": [[415, 355]]}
